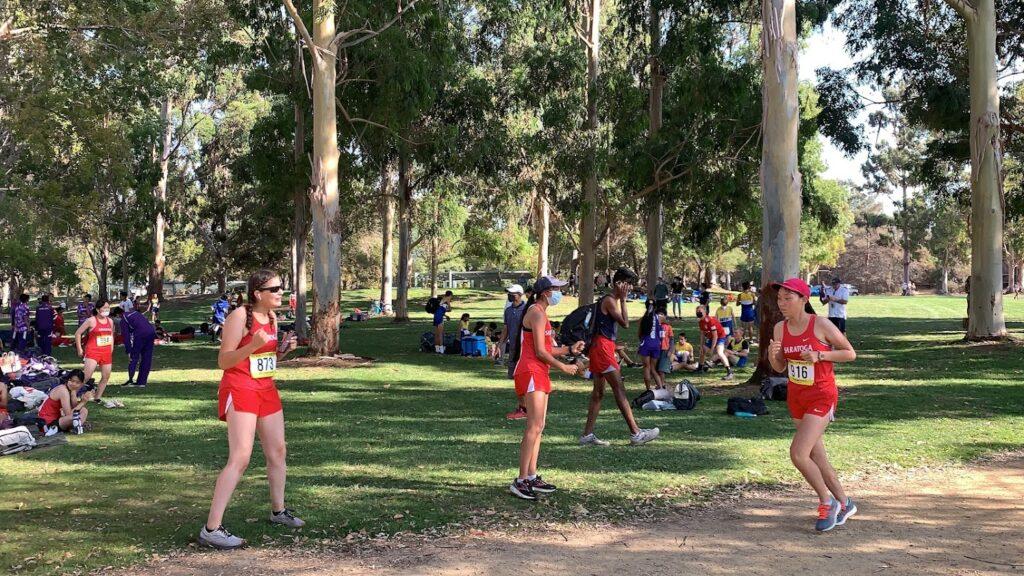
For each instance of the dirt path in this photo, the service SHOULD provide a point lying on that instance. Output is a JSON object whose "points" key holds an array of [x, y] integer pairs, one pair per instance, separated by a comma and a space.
{"points": [[923, 523]]}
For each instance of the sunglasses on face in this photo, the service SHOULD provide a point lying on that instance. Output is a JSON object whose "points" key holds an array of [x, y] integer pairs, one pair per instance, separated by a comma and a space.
{"points": [[274, 289]]}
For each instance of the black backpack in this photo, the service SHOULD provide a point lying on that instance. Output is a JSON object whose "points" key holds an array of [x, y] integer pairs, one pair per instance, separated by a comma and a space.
{"points": [[580, 324], [753, 405], [642, 399], [427, 342], [685, 396], [773, 388], [432, 305]]}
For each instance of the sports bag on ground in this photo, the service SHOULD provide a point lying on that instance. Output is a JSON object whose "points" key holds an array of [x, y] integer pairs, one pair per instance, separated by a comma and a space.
{"points": [[685, 396], [752, 405], [774, 388], [642, 399], [16, 440], [427, 342]]}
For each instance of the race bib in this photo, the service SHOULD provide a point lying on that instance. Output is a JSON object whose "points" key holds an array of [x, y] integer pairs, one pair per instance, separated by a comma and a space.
{"points": [[263, 365], [105, 340], [801, 372]]}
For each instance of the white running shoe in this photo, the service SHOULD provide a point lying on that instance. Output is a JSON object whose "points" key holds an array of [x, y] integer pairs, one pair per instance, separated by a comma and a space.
{"points": [[644, 436], [220, 539], [592, 440]]}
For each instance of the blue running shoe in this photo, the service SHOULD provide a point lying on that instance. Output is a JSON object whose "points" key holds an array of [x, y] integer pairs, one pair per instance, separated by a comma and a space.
{"points": [[827, 514], [849, 509]]}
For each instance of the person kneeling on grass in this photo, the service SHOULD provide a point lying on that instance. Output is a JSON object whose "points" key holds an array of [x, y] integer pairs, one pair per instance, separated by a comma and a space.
{"points": [[714, 341], [533, 381], [807, 349], [63, 410]]}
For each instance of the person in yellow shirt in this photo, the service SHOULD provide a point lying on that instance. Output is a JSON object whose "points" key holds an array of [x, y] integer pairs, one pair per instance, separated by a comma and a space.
{"points": [[464, 326], [748, 309], [726, 315], [683, 357]]}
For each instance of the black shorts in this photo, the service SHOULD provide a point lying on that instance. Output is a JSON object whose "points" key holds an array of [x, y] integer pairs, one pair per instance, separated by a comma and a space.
{"points": [[840, 323]]}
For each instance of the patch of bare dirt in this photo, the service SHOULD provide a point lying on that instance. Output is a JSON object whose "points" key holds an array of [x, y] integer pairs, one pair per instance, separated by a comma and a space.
{"points": [[339, 361]]}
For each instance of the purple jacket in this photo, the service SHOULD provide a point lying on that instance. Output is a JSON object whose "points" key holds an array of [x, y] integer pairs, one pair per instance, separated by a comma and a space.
{"points": [[20, 315], [136, 329], [44, 318]]}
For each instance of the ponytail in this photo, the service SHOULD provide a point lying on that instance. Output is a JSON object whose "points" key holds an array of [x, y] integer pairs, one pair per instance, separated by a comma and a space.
{"points": [[645, 323], [256, 281]]}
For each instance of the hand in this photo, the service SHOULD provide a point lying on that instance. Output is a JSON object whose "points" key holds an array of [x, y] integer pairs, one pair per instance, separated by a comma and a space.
{"points": [[775, 348], [290, 343], [260, 339], [80, 353], [570, 369], [621, 290], [88, 396], [577, 348], [809, 356]]}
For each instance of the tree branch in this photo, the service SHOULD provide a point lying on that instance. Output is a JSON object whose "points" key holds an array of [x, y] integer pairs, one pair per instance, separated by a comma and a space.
{"points": [[301, 26], [964, 7], [339, 43]]}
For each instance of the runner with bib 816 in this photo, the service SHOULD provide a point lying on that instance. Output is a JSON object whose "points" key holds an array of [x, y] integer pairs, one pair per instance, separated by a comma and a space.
{"points": [[806, 349]]}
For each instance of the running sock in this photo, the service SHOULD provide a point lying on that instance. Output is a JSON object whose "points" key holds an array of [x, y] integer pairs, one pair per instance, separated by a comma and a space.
{"points": [[531, 477]]}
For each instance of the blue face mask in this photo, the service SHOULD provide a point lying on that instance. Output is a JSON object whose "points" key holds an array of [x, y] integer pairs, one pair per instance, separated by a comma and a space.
{"points": [[555, 298]]}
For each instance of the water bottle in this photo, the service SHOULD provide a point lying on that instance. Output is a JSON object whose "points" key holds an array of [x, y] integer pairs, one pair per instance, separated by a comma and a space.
{"points": [[76, 423]]}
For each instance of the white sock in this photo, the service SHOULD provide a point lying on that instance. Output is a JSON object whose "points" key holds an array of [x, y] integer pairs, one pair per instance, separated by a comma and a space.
{"points": [[531, 477], [442, 349]]}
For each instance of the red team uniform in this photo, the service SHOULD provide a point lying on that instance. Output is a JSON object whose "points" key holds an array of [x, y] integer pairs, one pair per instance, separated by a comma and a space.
{"points": [[812, 385], [249, 385], [531, 374], [100, 344]]}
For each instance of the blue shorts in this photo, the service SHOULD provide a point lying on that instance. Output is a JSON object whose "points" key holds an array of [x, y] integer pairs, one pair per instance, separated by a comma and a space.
{"points": [[727, 325], [742, 362], [439, 316], [722, 341], [748, 314]]}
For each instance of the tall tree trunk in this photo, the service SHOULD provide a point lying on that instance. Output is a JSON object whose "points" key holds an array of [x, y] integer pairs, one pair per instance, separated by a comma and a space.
{"points": [[387, 216], [780, 173], [104, 271], [588, 224], [124, 270], [906, 241], [300, 196], [656, 213], [404, 239], [433, 266], [543, 234], [222, 281], [324, 194], [156, 271], [985, 307], [944, 288]]}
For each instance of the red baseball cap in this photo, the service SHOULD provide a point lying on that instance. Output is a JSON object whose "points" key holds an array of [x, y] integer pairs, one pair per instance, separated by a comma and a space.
{"points": [[796, 285]]}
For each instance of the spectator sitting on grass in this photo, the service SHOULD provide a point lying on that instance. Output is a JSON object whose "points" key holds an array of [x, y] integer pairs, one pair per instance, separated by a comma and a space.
{"points": [[464, 326], [683, 357], [738, 349]]}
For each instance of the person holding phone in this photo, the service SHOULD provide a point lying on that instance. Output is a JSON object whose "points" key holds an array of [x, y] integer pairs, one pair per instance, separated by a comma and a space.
{"points": [[249, 402]]}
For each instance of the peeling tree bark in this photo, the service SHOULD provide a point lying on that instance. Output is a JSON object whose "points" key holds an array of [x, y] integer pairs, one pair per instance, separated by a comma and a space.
{"points": [[324, 193], [985, 306], [780, 173], [300, 224], [543, 234]]}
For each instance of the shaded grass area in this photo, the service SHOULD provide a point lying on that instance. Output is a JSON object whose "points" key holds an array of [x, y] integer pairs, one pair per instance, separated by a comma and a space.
{"points": [[418, 440]]}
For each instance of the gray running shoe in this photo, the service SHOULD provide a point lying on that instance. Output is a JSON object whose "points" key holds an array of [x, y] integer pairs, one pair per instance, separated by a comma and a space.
{"points": [[644, 436], [286, 518], [220, 539], [592, 440], [849, 509], [827, 514]]}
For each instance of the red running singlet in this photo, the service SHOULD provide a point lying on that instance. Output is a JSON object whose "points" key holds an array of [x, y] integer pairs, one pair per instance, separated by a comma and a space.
{"points": [[99, 345], [812, 385], [531, 373]]}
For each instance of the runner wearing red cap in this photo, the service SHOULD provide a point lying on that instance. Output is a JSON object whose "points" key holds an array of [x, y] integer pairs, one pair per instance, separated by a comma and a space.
{"points": [[807, 348]]}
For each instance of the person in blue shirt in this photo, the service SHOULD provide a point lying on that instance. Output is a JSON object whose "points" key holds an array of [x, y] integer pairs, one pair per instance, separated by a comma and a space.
{"points": [[440, 315], [220, 313]]}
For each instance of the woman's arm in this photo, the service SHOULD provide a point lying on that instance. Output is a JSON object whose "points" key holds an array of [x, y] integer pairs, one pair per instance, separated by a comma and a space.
{"points": [[234, 329], [775, 356], [87, 325], [533, 318], [842, 350]]}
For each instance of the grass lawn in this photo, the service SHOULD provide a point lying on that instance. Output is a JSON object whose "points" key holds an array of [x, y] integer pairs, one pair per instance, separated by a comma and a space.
{"points": [[419, 440]]}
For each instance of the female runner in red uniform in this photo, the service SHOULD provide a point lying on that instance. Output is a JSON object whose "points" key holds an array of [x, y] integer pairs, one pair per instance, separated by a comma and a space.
{"points": [[249, 402], [807, 349], [99, 346], [533, 382]]}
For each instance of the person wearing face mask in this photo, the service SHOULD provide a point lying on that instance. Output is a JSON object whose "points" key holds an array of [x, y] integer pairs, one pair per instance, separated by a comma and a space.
{"points": [[249, 402], [99, 346], [714, 340], [807, 349], [534, 359], [508, 345]]}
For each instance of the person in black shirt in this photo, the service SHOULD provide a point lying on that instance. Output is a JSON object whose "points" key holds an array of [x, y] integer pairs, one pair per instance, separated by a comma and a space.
{"points": [[677, 297]]}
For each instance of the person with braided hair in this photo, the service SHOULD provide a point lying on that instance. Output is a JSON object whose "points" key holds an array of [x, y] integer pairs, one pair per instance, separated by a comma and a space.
{"points": [[250, 404]]}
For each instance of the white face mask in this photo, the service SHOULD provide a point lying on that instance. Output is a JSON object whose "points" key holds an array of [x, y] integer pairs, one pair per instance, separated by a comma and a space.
{"points": [[104, 313]]}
